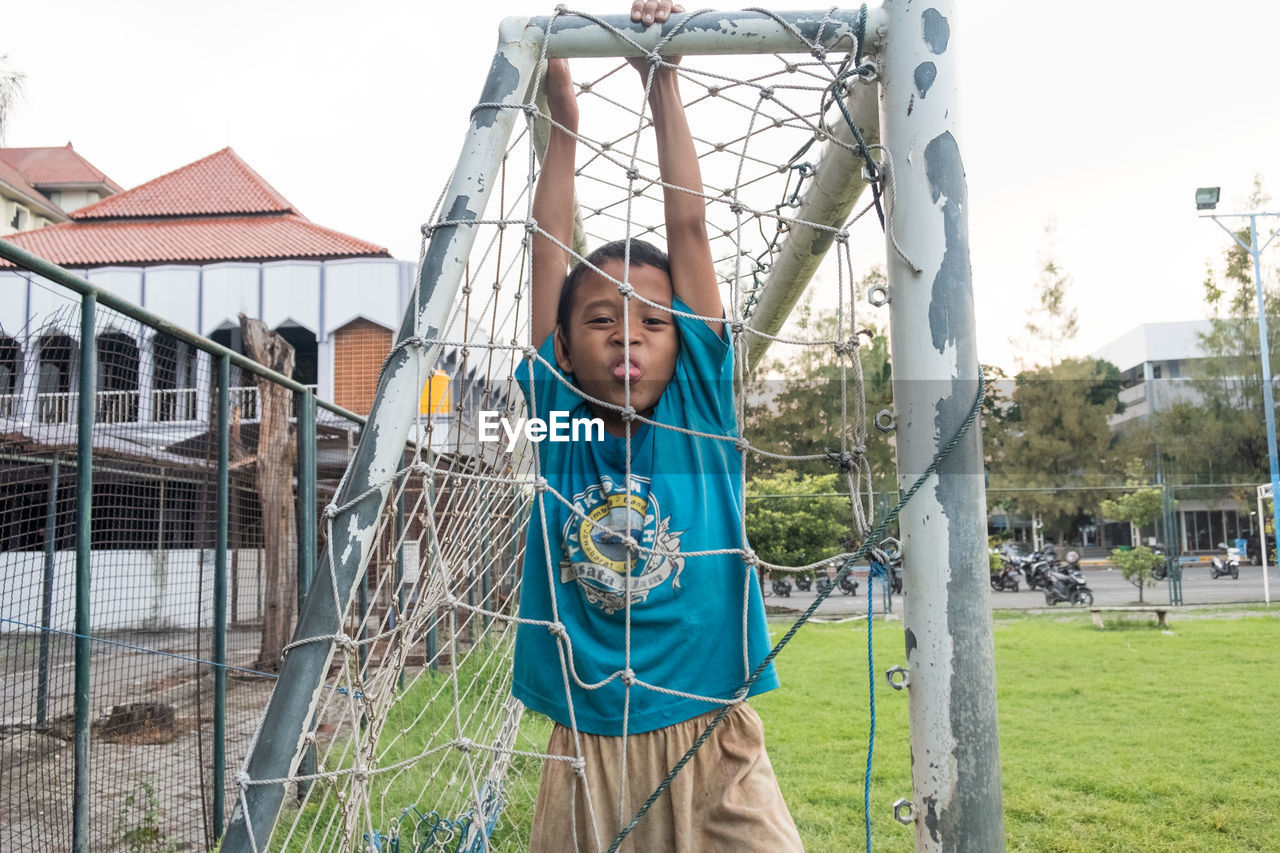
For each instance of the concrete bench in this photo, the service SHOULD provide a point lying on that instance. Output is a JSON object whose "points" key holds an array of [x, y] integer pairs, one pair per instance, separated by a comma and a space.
{"points": [[1158, 610]]}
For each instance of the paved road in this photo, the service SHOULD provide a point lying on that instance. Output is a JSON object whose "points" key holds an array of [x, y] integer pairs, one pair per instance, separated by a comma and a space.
{"points": [[1109, 588]]}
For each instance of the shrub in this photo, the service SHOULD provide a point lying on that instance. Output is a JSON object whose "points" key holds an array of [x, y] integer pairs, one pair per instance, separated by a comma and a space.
{"points": [[1136, 564]]}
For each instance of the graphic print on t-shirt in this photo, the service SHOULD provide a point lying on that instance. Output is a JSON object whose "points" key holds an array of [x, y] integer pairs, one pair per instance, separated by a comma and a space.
{"points": [[596, 551]]}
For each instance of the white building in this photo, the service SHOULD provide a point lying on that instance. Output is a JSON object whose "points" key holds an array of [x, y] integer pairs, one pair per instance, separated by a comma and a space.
{"points": [[1157, 361]]}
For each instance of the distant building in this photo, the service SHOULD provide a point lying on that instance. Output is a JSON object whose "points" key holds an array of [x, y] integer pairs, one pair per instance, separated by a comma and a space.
{"points": [[1157, 362], [198, 246], [41, 186]]}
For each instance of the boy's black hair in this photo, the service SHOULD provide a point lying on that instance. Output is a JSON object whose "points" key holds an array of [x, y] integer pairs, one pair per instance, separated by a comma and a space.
{"points": [[643, 254]]}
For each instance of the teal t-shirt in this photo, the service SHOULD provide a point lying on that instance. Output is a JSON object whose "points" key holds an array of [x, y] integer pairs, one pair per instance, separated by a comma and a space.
{"points": [[697, 622]]}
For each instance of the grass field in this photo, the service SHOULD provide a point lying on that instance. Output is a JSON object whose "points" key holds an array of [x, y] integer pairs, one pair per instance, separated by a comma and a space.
{"points": [[1125, 739]]}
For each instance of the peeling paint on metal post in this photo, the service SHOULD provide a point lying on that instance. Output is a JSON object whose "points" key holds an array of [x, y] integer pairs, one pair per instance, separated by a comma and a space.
{"points": [[281, 739], [947, 614], [708, 34]]}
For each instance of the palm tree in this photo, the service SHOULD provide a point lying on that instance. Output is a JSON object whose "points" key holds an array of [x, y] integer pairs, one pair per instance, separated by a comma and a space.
{"points": [[10, 92]]}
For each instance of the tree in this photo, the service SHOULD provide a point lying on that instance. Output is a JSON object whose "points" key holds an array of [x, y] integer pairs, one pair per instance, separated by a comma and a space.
{"points": [[795, 519], [1136, 565], [1219, 436], [1059, 441], [11, 80], [1139, 507], [795, 407], [1052, 320]]}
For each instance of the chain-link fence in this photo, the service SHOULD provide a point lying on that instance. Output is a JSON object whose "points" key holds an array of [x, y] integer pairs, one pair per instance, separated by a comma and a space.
{"points": [[159, 502]]}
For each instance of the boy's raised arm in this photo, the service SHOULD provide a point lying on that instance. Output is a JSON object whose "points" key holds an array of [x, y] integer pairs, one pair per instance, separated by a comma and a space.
{"points": [[693, 274], [553, 202]]}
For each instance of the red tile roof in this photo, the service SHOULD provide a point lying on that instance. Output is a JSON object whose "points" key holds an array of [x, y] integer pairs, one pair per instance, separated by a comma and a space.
{"points": [[194, 240], [53, 166], [219, 184], [17, 185], [215, 209]]}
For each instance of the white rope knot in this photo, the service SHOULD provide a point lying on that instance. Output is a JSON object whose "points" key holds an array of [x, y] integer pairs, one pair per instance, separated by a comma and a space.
{"points": [[633, 174], [346, 643], [556, 629], [626, 289], [465, 744], [819, 53], [562, 9], [842, 236], [452, 601], [737, 327], [529, 353], [749, 557], [628, 413], [242, 780], [766, 94], [629, 676], [330, 511], [846, 347], [737, 207], [653, 57], [427, 230], [584, 88], [540, 485], [579, 766], [713, 90], [742, 445]]}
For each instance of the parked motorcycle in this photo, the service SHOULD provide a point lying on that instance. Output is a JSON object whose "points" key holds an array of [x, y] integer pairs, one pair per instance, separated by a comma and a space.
{"points": [[782, 587], [1220, 568], [1067, 583], [804, 582], [1005, 580], [1034, 567]]}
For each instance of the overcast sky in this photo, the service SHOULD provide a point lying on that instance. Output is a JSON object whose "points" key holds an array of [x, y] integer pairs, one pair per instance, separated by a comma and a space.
{"points": [[1099, 118]]}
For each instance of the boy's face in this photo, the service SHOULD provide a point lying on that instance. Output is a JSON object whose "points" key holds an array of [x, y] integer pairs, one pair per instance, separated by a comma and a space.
{"points": [[595, 348]]}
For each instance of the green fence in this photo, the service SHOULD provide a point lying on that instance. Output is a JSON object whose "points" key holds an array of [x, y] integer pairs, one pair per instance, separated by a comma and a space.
{"points": [[153, 545]]}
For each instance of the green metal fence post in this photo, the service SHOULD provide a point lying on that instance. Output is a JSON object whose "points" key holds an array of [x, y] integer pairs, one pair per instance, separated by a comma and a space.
{"points": [[399, 574], [84, 517], [307, 531], [46, 595], [306, 495], [220, 599]]}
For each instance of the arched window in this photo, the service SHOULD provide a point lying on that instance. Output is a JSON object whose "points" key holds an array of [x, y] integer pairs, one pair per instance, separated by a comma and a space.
{"points": [[54, 403], [10, 364], [117, 398], [173, 380]]}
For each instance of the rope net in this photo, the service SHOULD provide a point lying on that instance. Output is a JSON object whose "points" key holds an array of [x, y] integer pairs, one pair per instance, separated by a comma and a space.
{"points": [[417, 742]]}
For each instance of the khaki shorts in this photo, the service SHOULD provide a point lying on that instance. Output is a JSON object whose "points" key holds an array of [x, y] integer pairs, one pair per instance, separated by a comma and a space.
{"points": [[725, 799]]}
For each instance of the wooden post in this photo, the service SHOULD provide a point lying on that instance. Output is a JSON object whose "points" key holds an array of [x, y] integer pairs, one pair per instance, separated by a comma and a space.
{"points": [[277, 454]]}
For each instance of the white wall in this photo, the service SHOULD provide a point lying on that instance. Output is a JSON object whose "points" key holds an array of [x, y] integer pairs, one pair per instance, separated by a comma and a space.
{"points": [[171, 293], [131, 590], [366, 288], [291, 291], [229, 290]]}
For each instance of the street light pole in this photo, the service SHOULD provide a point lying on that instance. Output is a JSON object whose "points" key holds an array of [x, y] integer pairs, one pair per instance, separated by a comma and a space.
{"points": [[1255, 249]]}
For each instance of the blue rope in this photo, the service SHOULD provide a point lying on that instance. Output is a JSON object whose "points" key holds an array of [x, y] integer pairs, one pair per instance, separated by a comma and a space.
{"points": [[876, 571]]}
